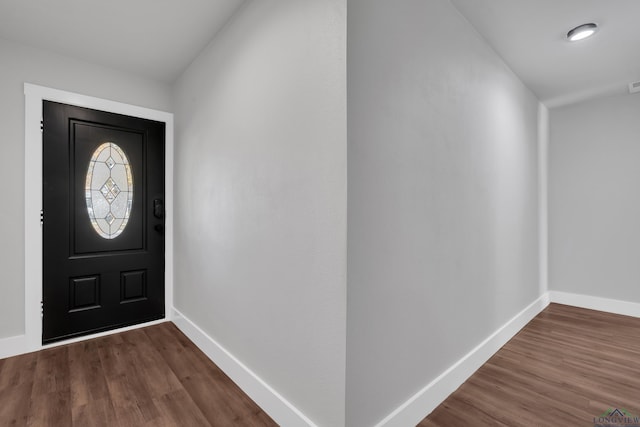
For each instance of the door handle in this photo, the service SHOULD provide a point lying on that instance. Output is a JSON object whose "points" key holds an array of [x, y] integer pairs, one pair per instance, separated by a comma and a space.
{"points": [[158, 208]]}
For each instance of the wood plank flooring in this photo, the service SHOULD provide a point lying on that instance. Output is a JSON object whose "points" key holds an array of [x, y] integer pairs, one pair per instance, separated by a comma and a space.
{"points": [[152, 376], [567, 366]]}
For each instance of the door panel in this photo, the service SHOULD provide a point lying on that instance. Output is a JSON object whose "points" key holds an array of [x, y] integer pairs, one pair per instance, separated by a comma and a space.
{"points": [[85, 238], [103, 245]]}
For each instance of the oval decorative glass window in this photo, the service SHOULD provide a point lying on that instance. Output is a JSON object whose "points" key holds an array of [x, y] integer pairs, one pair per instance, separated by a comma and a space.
{"points": [[109, 190]]}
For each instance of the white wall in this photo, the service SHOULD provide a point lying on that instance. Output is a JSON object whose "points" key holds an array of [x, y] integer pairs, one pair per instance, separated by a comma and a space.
{"points": [[443, 198], [594, 198], [20, 64], [261, 197]]}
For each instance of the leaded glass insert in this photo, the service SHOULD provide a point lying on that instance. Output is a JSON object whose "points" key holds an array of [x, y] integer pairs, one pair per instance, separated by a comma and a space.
{"points": [[109, 190]]}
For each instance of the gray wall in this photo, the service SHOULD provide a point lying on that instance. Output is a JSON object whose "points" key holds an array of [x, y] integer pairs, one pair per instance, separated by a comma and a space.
{"points": [[443, 198], [261, 197], [20, 64], [594, 202]]}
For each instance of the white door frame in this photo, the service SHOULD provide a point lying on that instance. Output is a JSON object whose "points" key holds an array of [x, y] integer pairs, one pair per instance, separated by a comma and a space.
{"points": [[34, 95]]}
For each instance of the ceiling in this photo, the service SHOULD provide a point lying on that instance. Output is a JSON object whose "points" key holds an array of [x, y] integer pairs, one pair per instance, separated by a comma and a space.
{"points": [[156, 39], [530, 35]]}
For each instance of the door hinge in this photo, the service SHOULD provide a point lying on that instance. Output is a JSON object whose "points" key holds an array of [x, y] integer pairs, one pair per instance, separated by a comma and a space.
{"points": [[41, 309], [41, 217], [41, 125]]}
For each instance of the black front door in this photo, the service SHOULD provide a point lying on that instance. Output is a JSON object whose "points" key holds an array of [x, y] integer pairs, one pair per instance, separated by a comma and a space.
{"points": [[103, 221]]}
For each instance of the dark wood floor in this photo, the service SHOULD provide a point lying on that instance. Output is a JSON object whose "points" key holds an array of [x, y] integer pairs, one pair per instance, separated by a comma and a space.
{"points": [[567, 366], [152, 376]]}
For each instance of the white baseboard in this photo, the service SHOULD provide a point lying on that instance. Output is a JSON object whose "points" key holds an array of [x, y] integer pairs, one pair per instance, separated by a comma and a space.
{"points": [[596, 303], [278, 408], [426, 400], [13, 346]]}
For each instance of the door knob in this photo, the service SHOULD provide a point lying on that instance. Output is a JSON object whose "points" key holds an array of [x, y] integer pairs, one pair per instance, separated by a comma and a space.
{"points": [[158, 208]]}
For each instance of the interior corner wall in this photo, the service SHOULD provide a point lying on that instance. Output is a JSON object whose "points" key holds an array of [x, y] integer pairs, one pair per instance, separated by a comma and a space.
{"points": [[22, 64], [443, 198], [543, 198], [261, 197], [594, 202]]}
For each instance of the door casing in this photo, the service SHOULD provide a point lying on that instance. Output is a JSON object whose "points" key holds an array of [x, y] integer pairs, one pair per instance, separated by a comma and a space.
{"points": [[34, 95]]}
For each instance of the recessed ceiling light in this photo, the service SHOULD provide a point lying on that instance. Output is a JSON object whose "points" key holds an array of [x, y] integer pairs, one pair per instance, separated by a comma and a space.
{"points": [[582, 32]]}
